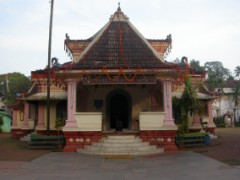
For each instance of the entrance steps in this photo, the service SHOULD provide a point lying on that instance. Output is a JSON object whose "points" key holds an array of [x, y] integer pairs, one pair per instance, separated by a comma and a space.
{"points": [[121, 145]]}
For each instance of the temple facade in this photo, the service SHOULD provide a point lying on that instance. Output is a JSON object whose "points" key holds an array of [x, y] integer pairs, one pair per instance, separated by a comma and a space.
{"points": [[116, 82]]}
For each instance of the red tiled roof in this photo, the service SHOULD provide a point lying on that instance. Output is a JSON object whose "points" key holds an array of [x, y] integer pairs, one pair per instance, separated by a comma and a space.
{"points": [[118, 44]]}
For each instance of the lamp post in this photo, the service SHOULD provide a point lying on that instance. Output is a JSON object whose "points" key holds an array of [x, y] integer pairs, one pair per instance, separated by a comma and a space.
{"points": [[49, 68]]}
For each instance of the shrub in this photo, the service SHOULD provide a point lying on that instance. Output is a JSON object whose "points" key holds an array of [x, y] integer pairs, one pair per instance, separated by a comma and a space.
{"points": [[219, 121], [1, 122]]}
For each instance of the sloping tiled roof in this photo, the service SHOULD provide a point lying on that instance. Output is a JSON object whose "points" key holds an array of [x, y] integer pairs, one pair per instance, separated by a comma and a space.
{"points": [[118, 44]]}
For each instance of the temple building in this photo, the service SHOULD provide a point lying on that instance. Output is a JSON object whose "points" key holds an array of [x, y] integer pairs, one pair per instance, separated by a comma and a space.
{"points": [[117, 82]]}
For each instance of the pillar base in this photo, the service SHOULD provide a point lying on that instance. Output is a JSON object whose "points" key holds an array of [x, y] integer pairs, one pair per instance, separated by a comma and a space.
{"points": [[70, 124], [211, 130], [77, 140], [18, 133], [160, 138]]}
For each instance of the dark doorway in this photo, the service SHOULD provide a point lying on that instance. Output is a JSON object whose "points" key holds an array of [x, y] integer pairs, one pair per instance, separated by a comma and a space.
{"points": [[119, 110]]}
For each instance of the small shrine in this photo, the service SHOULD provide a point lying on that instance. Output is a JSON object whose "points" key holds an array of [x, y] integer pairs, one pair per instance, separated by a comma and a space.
{"points": [[117, 82]]}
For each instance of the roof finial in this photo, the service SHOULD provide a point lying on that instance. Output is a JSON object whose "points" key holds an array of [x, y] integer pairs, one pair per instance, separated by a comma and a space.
{"points": [[119, 9]]}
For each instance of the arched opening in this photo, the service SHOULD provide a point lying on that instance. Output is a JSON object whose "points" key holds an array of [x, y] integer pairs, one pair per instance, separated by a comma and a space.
{"points": [[119, 110]]}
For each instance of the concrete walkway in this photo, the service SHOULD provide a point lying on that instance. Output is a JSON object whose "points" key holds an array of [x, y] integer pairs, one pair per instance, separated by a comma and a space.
{"points": [[177, 166]]}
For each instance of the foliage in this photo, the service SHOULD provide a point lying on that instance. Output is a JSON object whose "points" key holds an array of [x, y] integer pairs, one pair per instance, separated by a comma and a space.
{"points": [[37, 135], [236, 95], [14, 83], [216, 74], [1, 122], [237, 71], [176, 61], [186, 105], [58, 123], [195, 134], [219, 121], [183, 127], [189, 101], [237, 124], [236, 98], [230, 78], [195, 64]]}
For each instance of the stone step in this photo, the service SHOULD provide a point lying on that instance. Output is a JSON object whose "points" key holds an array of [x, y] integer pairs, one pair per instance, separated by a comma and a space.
{"points": [[26, 138], [120, 141], [110, 144], [121, 145], [118, 149], [133, 153], [121, 137]]}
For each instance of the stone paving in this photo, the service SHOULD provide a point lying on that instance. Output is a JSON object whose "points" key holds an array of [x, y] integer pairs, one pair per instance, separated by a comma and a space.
{"points": [[206, 164], [180, 165]]}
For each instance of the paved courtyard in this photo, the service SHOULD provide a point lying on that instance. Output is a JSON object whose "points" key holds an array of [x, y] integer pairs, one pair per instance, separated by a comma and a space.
{"points": [[181, 166], [218, 161]]}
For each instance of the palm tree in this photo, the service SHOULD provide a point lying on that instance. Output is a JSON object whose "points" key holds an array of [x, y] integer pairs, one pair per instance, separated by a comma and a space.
{"points": [[237, 71]]}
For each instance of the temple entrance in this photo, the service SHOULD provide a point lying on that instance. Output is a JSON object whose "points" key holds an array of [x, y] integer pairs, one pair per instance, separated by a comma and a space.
{"points": [[119, 110]]}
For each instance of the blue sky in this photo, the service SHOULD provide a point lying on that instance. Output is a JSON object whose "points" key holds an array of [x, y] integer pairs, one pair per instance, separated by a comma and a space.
{"points": [[204, 30]]}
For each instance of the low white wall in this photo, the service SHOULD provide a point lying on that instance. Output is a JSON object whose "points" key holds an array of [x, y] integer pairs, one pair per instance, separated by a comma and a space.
{"points": [[151, 120], [89, 121], [31, 123]]}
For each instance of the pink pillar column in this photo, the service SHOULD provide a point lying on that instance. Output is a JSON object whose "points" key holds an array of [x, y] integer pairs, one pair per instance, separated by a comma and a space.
{"points": [[40, 123], [71, 104], [26, 115], [167, 101], [14, 119]]}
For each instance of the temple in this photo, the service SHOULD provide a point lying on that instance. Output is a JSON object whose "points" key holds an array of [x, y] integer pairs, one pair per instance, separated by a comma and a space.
{"points": [[117, 82]]}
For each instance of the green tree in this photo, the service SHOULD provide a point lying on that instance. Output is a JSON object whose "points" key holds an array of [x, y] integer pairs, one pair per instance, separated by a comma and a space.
{"points": [[230, 78], [237, 71], [216, 74], [14, 84], [1, 123], [176, 61], [236, 98], [187, 104], [195, 64]]}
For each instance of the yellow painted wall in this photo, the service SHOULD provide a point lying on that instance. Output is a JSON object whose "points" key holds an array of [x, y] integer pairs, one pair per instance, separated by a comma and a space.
{"points": [[52, 115], [140, 98], [19, 121]]}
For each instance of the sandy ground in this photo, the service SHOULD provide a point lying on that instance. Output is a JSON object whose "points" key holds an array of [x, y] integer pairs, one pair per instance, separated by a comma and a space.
{"points": [[15, 150], [225, 148]]}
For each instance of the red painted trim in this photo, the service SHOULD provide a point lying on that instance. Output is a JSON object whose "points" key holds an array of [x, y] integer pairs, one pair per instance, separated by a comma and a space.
{"points": [[43, 75], [18, 133], [51, 133], [77, 140], [163, 138]]}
